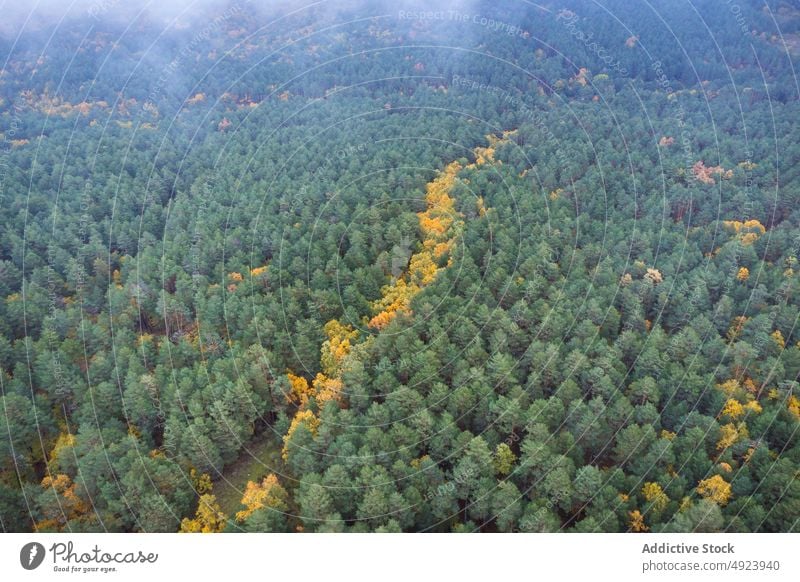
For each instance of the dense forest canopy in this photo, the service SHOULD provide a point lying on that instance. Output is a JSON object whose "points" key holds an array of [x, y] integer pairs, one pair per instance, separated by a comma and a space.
{"points": [[476, 266]]}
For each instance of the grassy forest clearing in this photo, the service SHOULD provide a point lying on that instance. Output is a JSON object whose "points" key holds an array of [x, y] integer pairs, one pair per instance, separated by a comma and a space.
{"points": [[495, 267], [258, 459]]}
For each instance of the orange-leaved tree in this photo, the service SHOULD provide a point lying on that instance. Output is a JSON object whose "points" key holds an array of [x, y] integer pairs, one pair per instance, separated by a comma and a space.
{"points": [[269, 493]]}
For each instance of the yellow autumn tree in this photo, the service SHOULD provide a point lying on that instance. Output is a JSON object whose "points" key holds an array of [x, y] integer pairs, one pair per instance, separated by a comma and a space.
{"points": [[396, 299], [636, 521], [793, 404], [504, 459], [754, 407], [748, 231], [484, 155], [729, 435], [730, 387], [716, 489], [777, 337], [733, 409], [201, 481], [326, 389], [480, 207], [64, 441], [299, 390], [654, 493], [208, 518], [305, 418], [268, 493], [422, 269], [337, 346], [435, 224]]}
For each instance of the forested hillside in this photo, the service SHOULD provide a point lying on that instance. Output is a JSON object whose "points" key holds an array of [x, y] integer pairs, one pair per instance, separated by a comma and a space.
{"points": [[491, 266]]}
